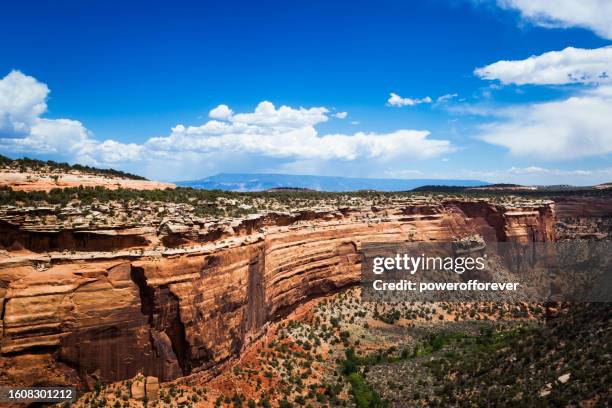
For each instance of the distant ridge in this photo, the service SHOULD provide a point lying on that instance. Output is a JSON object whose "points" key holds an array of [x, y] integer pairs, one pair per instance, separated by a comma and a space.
{"points": [[27, 164], [29, 175], [288, 190], [265, 181]]}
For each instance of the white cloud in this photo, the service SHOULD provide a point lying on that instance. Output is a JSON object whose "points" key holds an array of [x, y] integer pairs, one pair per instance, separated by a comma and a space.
{"points": [[533, 170], [109, 152], [528, 170], [266, 135], [56, 135], [407, 173], [532, 175], [300, 143], [22, 100], [575, 127], [447, 97], [566, 129], [289, 133], [220, 112], [24, 131], [594, 15], [266, 114], [396, 100], [571, 65]]}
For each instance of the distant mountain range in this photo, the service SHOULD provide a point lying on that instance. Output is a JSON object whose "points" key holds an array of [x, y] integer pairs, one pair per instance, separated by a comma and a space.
{"points": [[262, 182]]}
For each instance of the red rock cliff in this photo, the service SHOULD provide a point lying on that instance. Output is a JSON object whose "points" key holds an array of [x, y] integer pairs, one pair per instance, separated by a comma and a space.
{"points": [[168, 312]]}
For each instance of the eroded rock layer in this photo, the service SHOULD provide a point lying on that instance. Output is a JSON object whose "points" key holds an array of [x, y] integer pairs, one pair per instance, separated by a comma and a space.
{"points": [[179, 299]]}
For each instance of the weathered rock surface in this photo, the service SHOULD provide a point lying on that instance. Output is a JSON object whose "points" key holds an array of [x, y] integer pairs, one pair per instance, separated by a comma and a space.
{"points": [[576, 207], [583, 217], [28, 181], [152, 388], [137, 389], [119, 308]]}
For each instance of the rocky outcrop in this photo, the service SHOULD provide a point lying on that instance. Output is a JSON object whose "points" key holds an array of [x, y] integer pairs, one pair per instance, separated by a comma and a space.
{"points": [[36, 181], [143, 307]]}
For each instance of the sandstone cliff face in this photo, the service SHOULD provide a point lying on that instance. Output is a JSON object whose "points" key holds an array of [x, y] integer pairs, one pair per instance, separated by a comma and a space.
{"points": [[116, 307], [577, 207]]}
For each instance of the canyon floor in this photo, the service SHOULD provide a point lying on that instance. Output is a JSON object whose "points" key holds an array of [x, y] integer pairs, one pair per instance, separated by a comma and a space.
{"points": [[341, 351]]}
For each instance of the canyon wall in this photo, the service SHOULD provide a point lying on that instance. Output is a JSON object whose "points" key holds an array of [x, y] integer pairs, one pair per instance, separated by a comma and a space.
{"points": [[583, 217], [176, 299]]}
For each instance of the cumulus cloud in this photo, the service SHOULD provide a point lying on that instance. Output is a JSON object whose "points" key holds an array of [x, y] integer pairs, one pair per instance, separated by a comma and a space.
{"points": [[266, 115], [571, 65], [396, 100], [590, 14], [22, 101], [571, 128], [220, 112], [54, 136], [532, 170], [447, 97], [108, 152], [282, 135], [290, 133], [564, 129]]}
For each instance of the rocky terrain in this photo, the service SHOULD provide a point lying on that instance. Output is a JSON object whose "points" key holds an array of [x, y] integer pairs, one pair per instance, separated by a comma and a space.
{"points": [[35, 175], [109, 287], [46, 181]]}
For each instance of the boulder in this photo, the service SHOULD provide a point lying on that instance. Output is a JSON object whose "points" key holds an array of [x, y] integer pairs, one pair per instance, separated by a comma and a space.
{"points": [[137, 390], [152, 388]]}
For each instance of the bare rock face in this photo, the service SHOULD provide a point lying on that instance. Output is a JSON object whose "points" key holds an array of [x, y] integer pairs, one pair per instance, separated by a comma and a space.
{"points": [[578, 207], [170, 312]]}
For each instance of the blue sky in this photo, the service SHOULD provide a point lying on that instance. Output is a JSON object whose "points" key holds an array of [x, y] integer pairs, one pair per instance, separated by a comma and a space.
{"points": [[131, 85]]}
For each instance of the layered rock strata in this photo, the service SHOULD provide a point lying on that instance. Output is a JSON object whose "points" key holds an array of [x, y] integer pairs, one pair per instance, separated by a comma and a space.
{"points": [[169, 300], [583, 218]]}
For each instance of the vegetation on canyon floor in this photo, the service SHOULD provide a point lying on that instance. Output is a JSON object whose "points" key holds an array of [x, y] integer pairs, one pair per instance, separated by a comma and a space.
{"points": [[346, 352]]}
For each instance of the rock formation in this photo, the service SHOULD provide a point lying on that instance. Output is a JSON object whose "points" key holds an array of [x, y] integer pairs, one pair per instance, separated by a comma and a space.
{"points": [[27, 181], [168, 299]]}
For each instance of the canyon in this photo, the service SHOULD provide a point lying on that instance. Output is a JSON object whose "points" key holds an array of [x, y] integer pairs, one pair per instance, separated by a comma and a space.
{"points": [[176, 297]]}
